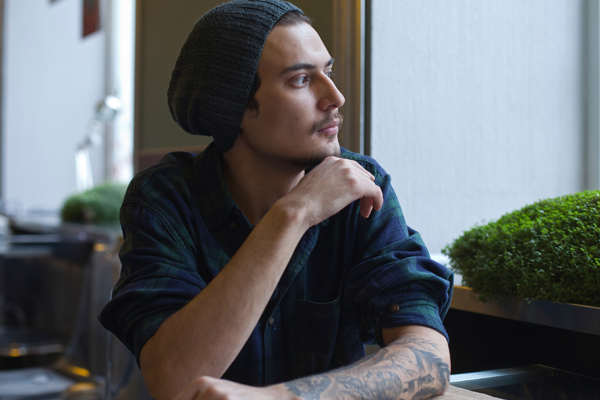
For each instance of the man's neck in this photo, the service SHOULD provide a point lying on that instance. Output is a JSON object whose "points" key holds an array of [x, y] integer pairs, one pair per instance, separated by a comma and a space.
{"points": [[256, 184]]}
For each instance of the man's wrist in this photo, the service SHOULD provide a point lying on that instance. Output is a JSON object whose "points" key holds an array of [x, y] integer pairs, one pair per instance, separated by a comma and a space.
{"points": [[281, 392], [293, 213]]}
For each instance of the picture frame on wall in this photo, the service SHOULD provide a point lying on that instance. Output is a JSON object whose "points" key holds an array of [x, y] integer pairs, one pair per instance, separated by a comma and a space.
{"points": [[91, 16]]}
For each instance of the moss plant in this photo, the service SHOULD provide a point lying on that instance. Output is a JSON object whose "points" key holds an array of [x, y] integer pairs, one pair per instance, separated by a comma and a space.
{"points": [[99, 205], [549, 250]]}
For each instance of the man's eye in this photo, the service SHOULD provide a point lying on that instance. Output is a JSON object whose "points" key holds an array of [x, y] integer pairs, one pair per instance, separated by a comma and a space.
{"points": [[329, 74], [300, 81]]}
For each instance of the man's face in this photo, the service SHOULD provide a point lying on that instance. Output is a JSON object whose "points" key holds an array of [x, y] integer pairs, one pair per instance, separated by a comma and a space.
{"points": [[297, 121]]}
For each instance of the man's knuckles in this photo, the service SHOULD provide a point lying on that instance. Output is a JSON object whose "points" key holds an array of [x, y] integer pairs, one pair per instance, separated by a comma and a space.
{"points": [[204, 381], [206, 387]]}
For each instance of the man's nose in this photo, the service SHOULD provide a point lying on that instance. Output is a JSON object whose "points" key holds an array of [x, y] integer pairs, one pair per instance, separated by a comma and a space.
{"points": [[330, 96]]}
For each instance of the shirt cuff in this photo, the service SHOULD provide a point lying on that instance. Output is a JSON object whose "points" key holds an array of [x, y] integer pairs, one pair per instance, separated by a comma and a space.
{"points": [[398, 315]]}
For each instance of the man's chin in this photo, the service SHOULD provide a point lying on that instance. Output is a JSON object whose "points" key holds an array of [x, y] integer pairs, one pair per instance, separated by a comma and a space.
{"points": [[309, 162]]}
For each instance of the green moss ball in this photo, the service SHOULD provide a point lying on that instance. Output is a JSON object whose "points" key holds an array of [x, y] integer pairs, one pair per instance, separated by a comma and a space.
{"points": [[99, 205], [549, 250]]}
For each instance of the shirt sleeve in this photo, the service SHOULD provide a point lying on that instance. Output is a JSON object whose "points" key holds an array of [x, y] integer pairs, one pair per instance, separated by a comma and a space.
{"points": [[158, 276], [394, 282]]}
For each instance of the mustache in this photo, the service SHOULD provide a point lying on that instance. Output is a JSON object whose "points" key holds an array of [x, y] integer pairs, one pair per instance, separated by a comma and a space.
{"points": [[327, 121]]}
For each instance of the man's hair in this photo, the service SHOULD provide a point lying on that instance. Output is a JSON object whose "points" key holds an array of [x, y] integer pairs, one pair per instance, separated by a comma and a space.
{"points": [[287, 19]]}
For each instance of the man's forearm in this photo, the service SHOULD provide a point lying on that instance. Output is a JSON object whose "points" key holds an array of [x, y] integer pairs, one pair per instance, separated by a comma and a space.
{"points": [[204, 337], [411, 367]]}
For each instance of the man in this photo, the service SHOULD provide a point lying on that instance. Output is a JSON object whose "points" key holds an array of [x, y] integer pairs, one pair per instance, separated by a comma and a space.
{"points": [[256, 268]]}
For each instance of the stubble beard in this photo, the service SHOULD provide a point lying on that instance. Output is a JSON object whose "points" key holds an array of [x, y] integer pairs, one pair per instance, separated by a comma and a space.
{"points": [[311, 161]]}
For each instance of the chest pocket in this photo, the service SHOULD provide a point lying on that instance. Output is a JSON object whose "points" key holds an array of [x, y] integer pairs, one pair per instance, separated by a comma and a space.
{"points": [[318, 327]]}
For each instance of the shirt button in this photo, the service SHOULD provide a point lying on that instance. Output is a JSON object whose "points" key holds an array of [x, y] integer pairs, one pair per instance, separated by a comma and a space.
{"points": [[394, 308], [233, 225], [271, 321]]}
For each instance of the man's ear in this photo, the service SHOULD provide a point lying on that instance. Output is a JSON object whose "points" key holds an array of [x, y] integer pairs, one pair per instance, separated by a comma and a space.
{"points": [[244, 119], [248, 114]]}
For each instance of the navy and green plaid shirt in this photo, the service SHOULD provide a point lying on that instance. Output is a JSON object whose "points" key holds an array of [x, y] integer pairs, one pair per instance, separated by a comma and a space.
{"points": [[348, 278]]}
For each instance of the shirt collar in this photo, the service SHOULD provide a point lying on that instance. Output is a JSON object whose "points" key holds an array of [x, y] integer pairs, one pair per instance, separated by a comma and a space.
{"points": [[214, 199]]}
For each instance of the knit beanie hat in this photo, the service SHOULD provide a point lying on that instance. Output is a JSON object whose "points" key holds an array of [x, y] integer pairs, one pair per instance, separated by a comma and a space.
{"points": [[213, 75]]}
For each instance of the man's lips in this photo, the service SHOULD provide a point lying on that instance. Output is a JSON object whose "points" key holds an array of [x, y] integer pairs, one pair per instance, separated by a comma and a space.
{"points": [[331, 128]]}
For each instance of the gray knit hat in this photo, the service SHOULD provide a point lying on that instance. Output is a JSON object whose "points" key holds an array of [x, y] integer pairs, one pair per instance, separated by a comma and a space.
{"points": [[212, 79]]}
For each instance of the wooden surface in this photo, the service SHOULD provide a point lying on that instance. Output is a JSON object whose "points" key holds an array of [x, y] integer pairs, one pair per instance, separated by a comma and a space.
{"points": [[454, 393]]}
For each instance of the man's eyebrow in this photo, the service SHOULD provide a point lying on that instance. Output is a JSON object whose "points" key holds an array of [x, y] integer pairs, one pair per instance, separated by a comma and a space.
{"points": [[300, 66]]}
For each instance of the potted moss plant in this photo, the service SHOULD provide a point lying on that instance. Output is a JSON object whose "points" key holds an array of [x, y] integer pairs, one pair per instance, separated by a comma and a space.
{"points": [[549, 250], [99, 205]]}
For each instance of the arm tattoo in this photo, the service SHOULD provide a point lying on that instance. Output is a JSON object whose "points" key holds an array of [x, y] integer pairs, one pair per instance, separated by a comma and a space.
{"points": [[408, 369], [309, 388]]}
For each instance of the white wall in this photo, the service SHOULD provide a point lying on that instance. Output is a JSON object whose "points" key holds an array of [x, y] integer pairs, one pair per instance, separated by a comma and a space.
{"points": [[477, 107], [52, 80]]}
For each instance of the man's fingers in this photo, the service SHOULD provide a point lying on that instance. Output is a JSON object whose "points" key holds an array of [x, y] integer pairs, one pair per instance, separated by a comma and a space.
{"points": [[378, 200], [332, 159], [208, 388], [366, 206], [334, 184], [372, 197], [364, 171], [370, 202], [200, 389]]}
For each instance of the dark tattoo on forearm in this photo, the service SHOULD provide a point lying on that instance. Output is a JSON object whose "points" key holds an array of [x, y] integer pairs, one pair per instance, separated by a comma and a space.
{"points": [[381, 385], [416, 372], [309, 388]]}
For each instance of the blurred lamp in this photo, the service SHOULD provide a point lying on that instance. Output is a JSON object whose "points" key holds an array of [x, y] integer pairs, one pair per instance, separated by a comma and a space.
{"points": [[106, 111]]}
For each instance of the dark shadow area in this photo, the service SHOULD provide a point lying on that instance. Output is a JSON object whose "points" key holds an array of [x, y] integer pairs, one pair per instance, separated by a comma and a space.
{"points": [[480, 342]]}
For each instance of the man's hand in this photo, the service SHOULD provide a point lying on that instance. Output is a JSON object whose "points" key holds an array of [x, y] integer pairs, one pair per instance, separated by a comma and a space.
{"points": [[331, 186], [207, 388]]}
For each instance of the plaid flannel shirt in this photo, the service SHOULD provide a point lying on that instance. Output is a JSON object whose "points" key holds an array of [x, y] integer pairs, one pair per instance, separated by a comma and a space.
{"points": [[348, 278]]}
